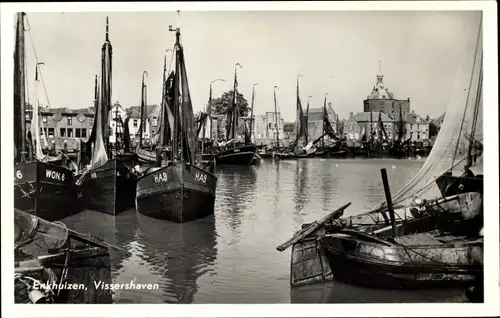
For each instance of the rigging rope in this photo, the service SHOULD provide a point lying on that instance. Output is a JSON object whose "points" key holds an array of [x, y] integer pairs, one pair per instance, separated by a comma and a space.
{"points": [[36, 58], [470, 85]]}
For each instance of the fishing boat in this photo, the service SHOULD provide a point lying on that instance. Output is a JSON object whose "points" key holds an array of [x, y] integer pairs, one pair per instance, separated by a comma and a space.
{"points": [[420, 237], [108, 186], [234, 152], [181, 189], [54, 264], [148, 154], [41, 185], [300, 147]]}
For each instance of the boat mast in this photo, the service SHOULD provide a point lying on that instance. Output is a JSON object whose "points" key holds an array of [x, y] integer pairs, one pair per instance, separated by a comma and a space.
{"points": [[324, 116], [20, 92], [306, 120], [277, 120], [299, 125], [144, 92], [235, 106], [106, 70], [251, 111], [177, 135]]}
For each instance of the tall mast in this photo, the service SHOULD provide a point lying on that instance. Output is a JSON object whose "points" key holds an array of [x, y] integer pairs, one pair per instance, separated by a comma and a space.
{"points": [[177, 135], [251, 111], [20, 92], [306, 121], [235, 106], [144, 92], [299, 125], [277, 120], [324, 115], [96, 96], [106, 70]]}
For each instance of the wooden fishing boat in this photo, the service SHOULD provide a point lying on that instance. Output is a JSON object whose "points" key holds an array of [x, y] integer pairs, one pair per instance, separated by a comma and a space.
{"points": [[109, 185], [56, 265], [235, 155], [181, 190], [418, 217], [41, 186], [423, 260]]}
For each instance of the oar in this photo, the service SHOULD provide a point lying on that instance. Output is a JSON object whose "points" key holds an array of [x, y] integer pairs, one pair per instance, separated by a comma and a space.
{"points": [[313, 227]]}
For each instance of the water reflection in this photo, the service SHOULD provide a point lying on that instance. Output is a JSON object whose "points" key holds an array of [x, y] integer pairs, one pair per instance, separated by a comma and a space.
{"points": [[301, 190], [176, 254], [231, 257], [335, 292], [235, 193]]}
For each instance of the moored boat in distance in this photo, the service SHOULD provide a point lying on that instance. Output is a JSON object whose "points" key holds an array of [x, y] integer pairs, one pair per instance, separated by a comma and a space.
{"points": [[429, 234], [41, 186], [109, 185], [181, 189]]}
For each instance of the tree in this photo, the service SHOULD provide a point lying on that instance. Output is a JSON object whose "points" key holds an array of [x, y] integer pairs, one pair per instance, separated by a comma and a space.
{"points": [[433, 130], [221, 105]]}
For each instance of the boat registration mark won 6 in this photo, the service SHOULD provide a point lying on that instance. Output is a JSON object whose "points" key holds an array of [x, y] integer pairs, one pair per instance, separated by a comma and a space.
{"points": [[160, 177]]}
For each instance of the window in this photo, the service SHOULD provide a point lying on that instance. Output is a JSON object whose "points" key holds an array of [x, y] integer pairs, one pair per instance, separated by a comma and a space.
{"points": [[154, 121], [84, 133], [135, 122], [70, 132], [77, 132], [63, 132], [270, 125], [70, 120], [44, 119], [51, 132]]}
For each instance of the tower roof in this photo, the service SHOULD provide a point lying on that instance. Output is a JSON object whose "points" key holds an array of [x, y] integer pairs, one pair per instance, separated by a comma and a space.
{"points": [[380, 91]]}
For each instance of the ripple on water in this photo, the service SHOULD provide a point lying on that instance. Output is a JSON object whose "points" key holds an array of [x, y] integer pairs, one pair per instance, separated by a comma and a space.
{"points": [[231, 257]]}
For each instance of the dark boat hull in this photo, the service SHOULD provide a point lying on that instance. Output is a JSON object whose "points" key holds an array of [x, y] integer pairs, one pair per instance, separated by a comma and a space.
{"points": [[45, 190], [239, 156], [109, 188], [351, 262], [177, 193], [450, 185]]}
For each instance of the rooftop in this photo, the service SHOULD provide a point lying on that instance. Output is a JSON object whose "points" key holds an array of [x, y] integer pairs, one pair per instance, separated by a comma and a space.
{"points": [[365, 117]]}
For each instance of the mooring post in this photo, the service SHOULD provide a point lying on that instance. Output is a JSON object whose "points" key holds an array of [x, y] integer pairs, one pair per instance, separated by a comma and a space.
{"points": [[388, 198]]}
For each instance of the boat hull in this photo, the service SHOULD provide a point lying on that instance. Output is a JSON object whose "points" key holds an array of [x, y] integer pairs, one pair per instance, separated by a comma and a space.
{"points": [[50, 188], [387, 266], [177, 193], [450, 185], [239, 156], [109, 188]]}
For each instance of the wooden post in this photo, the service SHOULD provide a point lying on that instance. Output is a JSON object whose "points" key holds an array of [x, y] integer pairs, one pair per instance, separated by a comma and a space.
{"points": [[388, 198]]}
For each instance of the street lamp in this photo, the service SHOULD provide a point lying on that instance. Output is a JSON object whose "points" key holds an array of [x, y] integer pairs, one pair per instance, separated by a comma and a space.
{"points": [[209, 106]]}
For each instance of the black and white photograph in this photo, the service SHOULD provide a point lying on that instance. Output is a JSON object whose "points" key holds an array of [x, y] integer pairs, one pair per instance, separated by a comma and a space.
{"points": [[250, 153]]}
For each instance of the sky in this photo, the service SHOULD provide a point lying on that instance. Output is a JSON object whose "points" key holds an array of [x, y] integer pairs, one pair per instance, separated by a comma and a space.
{"points": [[335, 52]]}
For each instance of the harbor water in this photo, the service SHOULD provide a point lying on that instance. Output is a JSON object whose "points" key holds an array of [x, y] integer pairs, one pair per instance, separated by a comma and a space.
{"points": [[231, 257]]}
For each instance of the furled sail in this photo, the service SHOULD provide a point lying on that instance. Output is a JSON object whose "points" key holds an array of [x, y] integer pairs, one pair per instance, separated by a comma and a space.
{"points": [[461, 129], [99, 155]]}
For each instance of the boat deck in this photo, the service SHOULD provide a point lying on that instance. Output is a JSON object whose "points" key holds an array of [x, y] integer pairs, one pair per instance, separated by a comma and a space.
{"points": [[418, 239]]}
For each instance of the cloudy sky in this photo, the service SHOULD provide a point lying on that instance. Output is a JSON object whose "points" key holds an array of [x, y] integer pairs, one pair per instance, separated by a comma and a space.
{"points": [[335, 52]]}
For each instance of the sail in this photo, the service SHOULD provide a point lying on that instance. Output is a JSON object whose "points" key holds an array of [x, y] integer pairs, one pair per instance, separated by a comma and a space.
{"points": [[99, 155], [35, 126], [106, 71], [188, 124], [300, 129], [19, 93], [461, 128]]}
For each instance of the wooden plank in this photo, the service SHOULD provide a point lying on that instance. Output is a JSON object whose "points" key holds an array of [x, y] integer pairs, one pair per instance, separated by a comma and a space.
{"points": [[313, 227]]}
